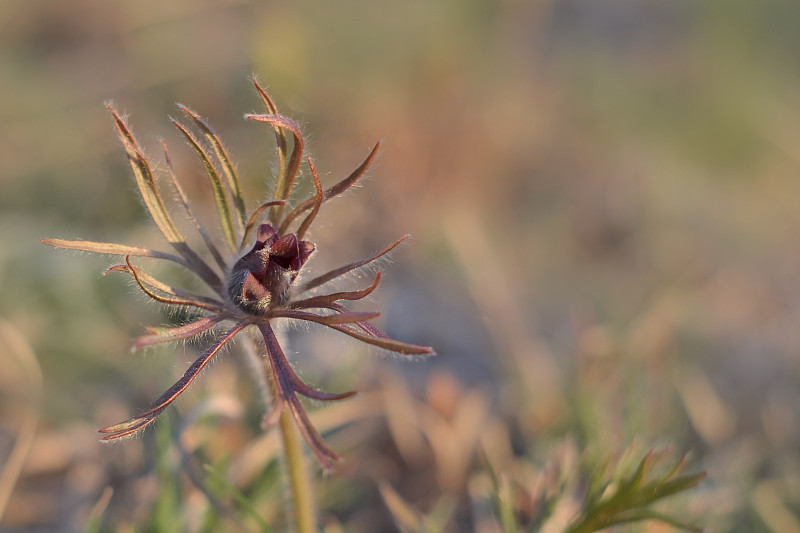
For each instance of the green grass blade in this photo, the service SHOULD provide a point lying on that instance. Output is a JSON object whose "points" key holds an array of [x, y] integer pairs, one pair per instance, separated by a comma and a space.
{"points": [[245, 504]]}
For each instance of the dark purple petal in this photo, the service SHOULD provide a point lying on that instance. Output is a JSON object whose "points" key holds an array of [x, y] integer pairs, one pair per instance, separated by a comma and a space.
{"points": [[305, 249], [266, 233], [252, 289], [285, 252]]}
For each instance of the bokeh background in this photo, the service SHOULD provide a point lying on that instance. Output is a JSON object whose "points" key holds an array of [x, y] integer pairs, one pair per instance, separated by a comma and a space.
{"points": [[603, 199]]}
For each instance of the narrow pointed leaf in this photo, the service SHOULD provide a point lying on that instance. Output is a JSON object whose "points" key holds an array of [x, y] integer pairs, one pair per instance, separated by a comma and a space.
{"points": [[680, 484], [317, 201], [127, 428], [326, 456], [220, 196], [145, 180], [143, 174], [139, 422], [212, 248], [284, 185], [325, 300], [366, 326], [348, 317], [333, 274], [191, 373], [251, 224], [165, 300], [280, 136], [335, 190], [114, 249], [287, 385], [379, 341], [290, 382], [147, 279], [224, 160], [178, 333], [385, 342]]}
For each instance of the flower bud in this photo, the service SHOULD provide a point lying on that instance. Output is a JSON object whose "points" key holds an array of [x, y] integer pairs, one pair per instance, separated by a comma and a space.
{"points": [[263, 276]]}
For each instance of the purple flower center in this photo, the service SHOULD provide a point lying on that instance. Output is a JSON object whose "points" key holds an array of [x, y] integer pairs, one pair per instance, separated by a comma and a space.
{"points": [[262, 277]]}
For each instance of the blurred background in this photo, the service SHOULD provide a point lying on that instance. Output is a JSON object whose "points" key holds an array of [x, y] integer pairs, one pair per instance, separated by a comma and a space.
{"points": [[602, 198]]}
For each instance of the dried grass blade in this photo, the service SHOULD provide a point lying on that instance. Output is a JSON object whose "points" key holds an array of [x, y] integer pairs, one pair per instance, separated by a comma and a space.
{"points": [[220, 196]]}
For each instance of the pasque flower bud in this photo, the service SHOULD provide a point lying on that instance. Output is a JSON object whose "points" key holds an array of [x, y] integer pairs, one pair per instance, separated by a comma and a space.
{"points": [[257, 288], [263, 276]]}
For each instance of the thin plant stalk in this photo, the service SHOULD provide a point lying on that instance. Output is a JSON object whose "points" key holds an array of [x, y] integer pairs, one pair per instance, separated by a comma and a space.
{"points": [[302, 499]]}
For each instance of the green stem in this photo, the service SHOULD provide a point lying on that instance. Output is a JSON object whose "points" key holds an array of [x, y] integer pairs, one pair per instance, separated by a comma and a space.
{"points": [[304, 515]]}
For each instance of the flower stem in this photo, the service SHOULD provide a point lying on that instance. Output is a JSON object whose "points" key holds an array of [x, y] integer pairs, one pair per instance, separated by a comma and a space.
{"points": [[305, 517]]}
